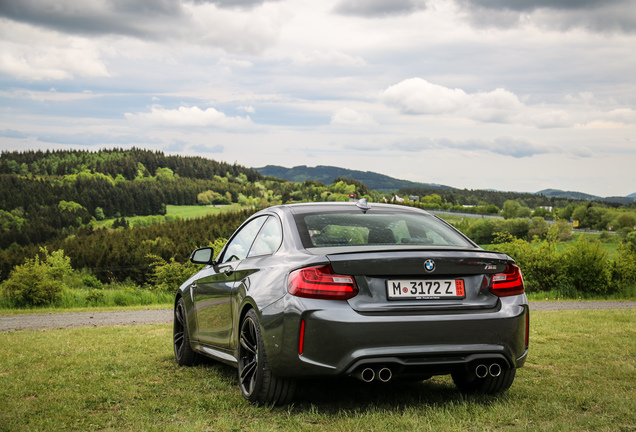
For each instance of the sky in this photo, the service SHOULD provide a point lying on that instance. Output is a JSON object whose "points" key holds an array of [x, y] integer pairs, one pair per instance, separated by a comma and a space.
{"points": [[511, 95]]}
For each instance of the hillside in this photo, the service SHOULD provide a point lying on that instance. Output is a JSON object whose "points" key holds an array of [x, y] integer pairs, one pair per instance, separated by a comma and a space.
{"points": [[555, 193], [327, 174], [59, 199], [383, 183]]}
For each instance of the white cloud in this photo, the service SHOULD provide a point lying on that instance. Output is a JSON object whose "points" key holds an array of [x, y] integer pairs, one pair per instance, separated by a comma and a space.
{"points": [[508, 146], [515, 91], [189, 117], [239, 30], [327, 58], [34, 54], [235, 31], [626, 116], [247, 109], [351, 117], [418, 96], [235, 63], [550, 119], [42, 96]]}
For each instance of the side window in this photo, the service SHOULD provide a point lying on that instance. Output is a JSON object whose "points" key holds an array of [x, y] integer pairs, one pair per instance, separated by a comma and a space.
{"points": [[269, 239], [241, 243]]}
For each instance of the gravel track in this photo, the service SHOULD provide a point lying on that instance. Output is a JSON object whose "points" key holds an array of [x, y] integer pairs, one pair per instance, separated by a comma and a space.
{"points": [[164, 316]]}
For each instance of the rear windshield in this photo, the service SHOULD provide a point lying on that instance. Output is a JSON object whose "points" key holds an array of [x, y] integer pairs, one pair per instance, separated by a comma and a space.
{"points": [[357, 228]]}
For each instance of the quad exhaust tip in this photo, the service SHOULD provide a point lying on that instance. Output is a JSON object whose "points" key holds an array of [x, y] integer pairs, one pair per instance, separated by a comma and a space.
{"points": [[493, 370], [367, 375], [382, 374], [385, 374]]}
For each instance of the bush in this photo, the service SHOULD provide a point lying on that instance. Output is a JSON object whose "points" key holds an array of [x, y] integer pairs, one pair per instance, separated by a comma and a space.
{"points": [[168, 276], [32, 284], [587, 267], [38, 281], [539, 228], [485, 231], [563, 230], [90, 281], [540, 263], [623, 269]]}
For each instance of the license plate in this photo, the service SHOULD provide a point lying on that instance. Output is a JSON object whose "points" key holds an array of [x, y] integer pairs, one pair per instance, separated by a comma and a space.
{"points": [[425, 289]]}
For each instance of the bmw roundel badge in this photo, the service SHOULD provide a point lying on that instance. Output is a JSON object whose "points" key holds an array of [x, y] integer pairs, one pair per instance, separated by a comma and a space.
{"points": [[429, 265]]}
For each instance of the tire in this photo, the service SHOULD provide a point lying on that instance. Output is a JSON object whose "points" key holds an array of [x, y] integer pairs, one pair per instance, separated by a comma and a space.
{"points": [[183, 353], [467, 382], [256, 380]]}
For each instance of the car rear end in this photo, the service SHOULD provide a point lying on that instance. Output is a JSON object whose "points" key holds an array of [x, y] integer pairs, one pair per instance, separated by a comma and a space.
{"points": [[414, 299]]}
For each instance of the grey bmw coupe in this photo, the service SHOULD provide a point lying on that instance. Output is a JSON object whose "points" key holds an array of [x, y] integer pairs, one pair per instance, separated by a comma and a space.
{"points": [[373, 291]]}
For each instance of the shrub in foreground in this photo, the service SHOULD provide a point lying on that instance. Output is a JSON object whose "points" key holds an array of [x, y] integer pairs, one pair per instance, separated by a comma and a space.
{"points": [[37, 282], [587, 267]]}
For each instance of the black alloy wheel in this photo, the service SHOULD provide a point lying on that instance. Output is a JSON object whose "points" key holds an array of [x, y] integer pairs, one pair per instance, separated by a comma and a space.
{"points": [[248, 369], [258, 384]]}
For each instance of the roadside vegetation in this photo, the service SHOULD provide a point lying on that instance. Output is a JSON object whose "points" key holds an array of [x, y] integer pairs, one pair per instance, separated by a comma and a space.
{"points": [[116, 227], [125, 378]]}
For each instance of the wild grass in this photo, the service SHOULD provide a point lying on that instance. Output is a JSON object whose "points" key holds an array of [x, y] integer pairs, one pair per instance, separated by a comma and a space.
{"points": [[627, 293], [580, 376], [73, 299]]}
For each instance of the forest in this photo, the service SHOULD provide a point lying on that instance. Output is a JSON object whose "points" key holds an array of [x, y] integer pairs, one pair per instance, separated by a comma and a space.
{"points": [[56, 200]]}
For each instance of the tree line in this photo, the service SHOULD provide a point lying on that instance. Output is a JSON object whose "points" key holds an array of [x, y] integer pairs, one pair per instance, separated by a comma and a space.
{"points": [[125, 253], [54, 198]]}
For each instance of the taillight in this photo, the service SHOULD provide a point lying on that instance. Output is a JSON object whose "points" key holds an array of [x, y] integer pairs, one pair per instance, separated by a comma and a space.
{"points": [[321, 283], [508, 283]]}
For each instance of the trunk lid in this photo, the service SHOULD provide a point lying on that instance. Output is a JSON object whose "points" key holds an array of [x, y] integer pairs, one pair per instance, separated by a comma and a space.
{"points": [[377, 272]]}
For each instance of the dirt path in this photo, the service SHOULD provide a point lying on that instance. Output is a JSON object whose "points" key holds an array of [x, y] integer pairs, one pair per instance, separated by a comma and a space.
{"points": [[164, 316]]}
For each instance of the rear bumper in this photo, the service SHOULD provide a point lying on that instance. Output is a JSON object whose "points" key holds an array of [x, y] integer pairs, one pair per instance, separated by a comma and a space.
{"points": [[338, 341]]}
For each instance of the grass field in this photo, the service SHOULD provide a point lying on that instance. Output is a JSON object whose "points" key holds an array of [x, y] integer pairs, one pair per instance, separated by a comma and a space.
{"points": [[191, 212], [580, 376], [186, 212]]}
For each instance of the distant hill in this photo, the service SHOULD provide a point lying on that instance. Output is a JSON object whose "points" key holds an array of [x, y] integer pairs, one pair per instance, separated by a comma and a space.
{"points": [[568, 194], [550, 193], [327, 174]]}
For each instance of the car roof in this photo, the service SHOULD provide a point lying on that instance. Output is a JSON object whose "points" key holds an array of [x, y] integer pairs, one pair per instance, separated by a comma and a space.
{"points": [[313, 207]]}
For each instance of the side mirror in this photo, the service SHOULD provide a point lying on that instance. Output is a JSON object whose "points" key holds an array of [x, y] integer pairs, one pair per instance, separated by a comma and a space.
{"points": [[202, 256]]}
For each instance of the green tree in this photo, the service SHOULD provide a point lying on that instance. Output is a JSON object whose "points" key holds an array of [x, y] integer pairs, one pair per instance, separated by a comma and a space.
{"points": [[513, 209], [539, 228], [587, 267]]}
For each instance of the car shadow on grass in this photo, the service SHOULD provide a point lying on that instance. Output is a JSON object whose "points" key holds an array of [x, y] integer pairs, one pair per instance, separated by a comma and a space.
{"points": [[351, 394]]}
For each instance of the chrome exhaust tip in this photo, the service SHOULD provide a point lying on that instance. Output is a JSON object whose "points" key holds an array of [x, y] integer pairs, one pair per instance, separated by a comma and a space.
{"points": [[367, 375], [494, 370], [385, 374], [481, 371]]}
